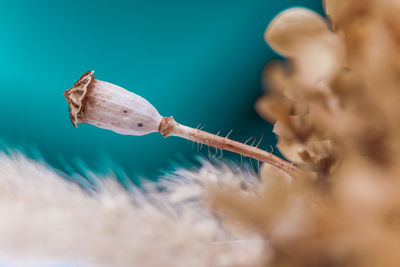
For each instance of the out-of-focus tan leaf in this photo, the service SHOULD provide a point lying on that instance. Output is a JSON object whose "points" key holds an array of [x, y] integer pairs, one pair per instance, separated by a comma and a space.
{"points": [[291, 28], [319, 62], [273, 108], [291, 150]]}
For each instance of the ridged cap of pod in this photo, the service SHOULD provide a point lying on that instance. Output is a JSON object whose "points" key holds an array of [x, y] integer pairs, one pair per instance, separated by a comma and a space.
{"points": [[75, 96]]}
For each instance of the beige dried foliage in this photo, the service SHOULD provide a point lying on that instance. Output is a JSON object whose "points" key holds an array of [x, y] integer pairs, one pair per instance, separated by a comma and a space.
{"points": [[46, 219], [335, 106]]}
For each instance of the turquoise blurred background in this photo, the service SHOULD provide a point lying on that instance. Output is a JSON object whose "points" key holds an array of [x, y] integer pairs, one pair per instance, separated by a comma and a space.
{"points": [[200, 61]]}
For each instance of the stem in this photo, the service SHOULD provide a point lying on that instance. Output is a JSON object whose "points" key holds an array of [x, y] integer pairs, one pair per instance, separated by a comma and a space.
{"points": [[169, 127]]}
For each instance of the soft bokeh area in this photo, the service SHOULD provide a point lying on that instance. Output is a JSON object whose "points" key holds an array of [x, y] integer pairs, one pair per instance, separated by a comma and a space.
{"points": [[200, 61]]}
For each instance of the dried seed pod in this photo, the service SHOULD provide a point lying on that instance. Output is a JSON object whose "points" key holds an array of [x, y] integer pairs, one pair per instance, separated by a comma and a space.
{"points": [[111, 107]]}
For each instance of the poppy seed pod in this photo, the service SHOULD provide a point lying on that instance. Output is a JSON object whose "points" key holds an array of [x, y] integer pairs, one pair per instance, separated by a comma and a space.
{"points": [[111, 107]]}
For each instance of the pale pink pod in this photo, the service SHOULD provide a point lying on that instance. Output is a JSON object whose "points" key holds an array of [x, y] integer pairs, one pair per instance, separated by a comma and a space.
{"points": [[111, 107]]}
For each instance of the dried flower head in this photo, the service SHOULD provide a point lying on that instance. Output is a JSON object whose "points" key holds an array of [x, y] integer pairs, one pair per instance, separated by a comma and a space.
{"points": [[335, 107], [111, 107]]}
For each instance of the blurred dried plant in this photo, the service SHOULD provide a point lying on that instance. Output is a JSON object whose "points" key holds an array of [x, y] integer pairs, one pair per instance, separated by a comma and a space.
{"points": [[46, 219], [334, 102]]}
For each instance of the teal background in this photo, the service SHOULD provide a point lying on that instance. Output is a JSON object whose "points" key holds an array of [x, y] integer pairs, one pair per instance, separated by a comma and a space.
{"points": [[200, 61]]}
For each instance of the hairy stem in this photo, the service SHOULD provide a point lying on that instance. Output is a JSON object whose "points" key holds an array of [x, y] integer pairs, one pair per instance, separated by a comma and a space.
{"points": [[169, 127]]}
